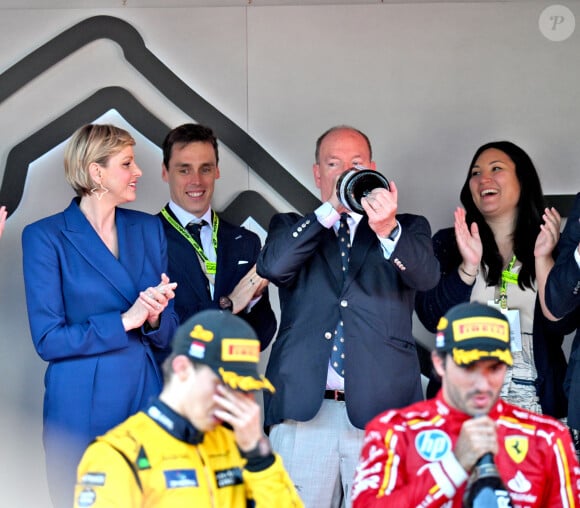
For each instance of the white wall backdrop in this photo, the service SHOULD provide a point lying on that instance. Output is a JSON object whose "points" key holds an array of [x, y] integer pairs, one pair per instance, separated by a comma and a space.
{"points": [[428, 82]]}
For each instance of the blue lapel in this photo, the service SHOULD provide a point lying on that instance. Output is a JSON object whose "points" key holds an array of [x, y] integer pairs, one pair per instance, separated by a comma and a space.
{"points": [[230, 250], [132, 239], [88, 244], [191, 274], [364, 239], [224, 255], [331, 254]]}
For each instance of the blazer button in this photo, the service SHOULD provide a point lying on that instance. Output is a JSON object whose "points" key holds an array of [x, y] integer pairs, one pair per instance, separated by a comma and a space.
{"points": [[328, 335], [344, 303]]}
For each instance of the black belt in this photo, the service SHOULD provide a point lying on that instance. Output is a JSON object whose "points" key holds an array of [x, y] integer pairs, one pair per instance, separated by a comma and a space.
{"points": [[334, 395]]}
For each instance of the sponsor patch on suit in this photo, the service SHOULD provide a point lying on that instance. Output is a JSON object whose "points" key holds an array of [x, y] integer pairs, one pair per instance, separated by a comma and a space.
{"points": [[97, 479], [86, 498], [432, 445], [229, 477], [180, 478]]}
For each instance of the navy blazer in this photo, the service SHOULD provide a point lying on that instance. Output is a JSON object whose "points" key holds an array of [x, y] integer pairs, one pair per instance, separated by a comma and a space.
{"points": [[547, 336], [563, 300], [76, 290], [237, 251], [375, 303]]}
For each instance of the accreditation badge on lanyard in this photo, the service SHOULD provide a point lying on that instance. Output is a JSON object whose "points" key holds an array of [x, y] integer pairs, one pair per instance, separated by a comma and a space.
{"points": [[509, 276], [208, 267]]}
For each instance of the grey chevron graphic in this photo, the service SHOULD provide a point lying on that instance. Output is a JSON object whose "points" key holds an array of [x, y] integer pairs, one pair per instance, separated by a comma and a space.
{"points": [[167, 82]]}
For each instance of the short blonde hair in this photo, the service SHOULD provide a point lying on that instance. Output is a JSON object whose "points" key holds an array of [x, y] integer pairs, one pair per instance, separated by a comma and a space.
{"points": [[92, 143]]}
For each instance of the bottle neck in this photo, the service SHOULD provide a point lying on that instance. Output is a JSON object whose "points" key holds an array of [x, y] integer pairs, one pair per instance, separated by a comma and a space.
{"points": [[485, 467], [486, 458], [486, 488]]}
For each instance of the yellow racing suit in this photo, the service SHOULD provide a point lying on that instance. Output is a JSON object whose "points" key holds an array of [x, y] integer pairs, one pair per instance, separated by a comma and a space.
{"points": [[156, 458]]}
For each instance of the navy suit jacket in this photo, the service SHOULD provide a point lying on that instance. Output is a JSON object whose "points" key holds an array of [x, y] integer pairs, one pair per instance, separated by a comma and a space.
{"points": [[563, 300], [375, 303], [76, 290], [237, 251]]}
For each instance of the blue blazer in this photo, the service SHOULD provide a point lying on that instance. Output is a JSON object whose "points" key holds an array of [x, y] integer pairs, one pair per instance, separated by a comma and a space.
{"points": [[76, 290], [375, 303], [237, 251], [563, 300]]}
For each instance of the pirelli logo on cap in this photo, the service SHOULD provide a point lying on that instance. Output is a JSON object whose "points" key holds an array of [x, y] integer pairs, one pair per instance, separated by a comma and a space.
{"points": [[240, 350], [481, 326]]}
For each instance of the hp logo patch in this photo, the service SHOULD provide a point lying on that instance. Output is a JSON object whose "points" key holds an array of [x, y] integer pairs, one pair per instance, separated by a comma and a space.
{"points": [[432, 445]]}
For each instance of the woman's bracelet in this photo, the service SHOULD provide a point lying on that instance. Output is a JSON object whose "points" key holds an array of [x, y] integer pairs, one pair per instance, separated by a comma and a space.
{"points": [[472, 275]]}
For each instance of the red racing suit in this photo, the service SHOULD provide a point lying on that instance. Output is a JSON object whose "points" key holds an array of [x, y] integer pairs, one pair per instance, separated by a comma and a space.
{"points": [[407, 459]]}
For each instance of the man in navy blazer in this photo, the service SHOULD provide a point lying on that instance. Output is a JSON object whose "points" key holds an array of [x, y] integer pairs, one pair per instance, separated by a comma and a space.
{"points": [[563, 300], [220, 272], [319, 409]]}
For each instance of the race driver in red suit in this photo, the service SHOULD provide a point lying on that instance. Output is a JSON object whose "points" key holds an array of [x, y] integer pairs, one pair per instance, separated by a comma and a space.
{"points": [[422, 455]]}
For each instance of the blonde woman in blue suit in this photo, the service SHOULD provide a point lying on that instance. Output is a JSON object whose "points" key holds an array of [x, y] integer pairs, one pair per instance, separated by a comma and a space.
{"points": [[99, 302]]}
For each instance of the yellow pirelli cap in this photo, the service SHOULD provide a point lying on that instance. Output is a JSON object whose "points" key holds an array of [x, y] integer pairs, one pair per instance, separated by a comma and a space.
{"points": [[473, 332], [226, 343]]}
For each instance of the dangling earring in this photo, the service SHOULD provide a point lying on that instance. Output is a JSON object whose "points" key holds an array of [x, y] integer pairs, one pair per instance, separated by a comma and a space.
{"points": [[99, 191]]}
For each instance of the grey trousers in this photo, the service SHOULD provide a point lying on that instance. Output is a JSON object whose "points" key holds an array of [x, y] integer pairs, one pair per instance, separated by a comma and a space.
{"points": [[320, 455]]}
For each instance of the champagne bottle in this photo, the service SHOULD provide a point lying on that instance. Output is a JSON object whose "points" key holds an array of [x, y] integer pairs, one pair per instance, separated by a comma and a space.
{"points": [[485, 488]]}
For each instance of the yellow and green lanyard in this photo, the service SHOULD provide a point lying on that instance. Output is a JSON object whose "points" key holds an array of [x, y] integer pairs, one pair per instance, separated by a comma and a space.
{"points": [[210, 266], [507, 277]]}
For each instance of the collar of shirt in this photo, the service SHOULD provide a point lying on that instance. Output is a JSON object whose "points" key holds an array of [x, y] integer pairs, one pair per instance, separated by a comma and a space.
{"points": [[330, 218], [353, 222], [184, 217]]}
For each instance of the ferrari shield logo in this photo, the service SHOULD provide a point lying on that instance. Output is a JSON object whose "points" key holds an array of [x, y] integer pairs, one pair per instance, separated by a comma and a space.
{"points": [[517, 448]]}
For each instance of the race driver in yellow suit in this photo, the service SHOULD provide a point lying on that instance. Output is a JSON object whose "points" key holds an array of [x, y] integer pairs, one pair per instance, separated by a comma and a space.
{"points": [[177, 453]]}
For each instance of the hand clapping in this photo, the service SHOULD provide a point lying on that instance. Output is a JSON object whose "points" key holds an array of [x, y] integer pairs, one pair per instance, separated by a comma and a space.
{"points": [[150, 304], [469, 245], [549, 233]]}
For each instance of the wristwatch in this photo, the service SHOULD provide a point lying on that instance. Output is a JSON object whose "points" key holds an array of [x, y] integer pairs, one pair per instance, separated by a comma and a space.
{"points": [[226, 303]]}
